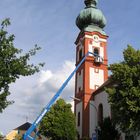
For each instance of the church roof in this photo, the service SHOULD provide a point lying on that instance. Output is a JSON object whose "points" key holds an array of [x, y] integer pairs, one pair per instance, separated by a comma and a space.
{"points": [[107, 83], [24, 126], [91, 18]]}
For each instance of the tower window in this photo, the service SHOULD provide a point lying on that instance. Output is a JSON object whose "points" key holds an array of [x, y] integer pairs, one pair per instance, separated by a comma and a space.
{"points": [[96, 52], [100, 114], [78, 119], [80, 54], [96, 70], [79, 89]]}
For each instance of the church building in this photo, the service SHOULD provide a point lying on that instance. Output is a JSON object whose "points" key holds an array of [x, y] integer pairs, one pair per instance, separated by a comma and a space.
{"points": [[92, 106], [91, 100]]}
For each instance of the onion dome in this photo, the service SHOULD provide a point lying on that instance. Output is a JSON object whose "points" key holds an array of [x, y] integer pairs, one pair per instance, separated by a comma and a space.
{"points": [[91, 18]]}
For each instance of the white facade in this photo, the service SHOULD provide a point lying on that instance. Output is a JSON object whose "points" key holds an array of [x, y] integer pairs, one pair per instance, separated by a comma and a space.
{"points": [[80, 80], [96, 44], [123, 137], [138, 138], [93, 118], [96, 78], [100, 98]]}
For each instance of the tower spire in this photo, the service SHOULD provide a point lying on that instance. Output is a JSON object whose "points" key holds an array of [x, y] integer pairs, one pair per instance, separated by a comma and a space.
{"points": [[91, 18], [91, 3], [93, 72]]}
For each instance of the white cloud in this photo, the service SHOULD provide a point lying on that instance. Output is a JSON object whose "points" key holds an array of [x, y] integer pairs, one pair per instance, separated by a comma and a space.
{"points": [[34, 98], [31, 94], [45, 76]]}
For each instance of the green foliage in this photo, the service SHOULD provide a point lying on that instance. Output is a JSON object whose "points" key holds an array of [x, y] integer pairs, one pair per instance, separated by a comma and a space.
{"points": [[12, 63], [59, 123], [1, 137], [108, 130], [125, 97]]}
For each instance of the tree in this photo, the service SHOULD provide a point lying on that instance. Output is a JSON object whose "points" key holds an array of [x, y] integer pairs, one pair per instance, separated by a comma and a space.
{"points": [[124, 97], [108, 130], [59, 122], [1, 137], [13, 64]]}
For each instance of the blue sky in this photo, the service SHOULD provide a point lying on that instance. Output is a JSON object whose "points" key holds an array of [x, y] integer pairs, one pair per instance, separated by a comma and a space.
{"points": [[51, 25]]}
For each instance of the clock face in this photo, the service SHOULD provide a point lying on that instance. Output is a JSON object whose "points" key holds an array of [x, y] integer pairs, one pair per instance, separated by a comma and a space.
{"points": [[96, 38]]}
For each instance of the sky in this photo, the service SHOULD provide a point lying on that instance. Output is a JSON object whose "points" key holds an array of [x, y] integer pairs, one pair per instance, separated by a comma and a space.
{"points": [[51, 25]]}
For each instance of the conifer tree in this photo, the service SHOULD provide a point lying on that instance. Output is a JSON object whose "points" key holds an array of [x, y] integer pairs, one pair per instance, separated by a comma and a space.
{"points": [[108, 130]]}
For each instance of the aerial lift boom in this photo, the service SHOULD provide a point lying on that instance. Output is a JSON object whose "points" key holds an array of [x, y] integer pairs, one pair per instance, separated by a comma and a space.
{"points": [[27, 135]]}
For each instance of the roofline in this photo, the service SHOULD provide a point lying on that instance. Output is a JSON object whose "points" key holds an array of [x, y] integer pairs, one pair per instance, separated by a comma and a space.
{"points": [[107, 83]]}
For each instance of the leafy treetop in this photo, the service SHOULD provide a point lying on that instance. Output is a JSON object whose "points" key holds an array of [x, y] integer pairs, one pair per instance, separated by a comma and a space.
{"points": [[125, 97], [59, 122], [12, 63]]}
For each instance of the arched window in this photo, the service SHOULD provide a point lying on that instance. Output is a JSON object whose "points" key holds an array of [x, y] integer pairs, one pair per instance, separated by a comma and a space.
{"points": [[100, 114], [80, 54], [78, 119], [96, 52]]}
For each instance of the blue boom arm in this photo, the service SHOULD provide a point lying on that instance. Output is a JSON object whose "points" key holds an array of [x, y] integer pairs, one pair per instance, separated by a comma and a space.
{"points": [[27, 135]]}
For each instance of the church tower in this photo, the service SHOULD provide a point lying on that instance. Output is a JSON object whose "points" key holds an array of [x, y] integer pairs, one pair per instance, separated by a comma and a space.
{"points": [[93, 72]]}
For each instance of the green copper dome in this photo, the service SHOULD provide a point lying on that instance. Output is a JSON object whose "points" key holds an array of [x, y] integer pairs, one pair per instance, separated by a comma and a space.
{"points": [[91, 18]]}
